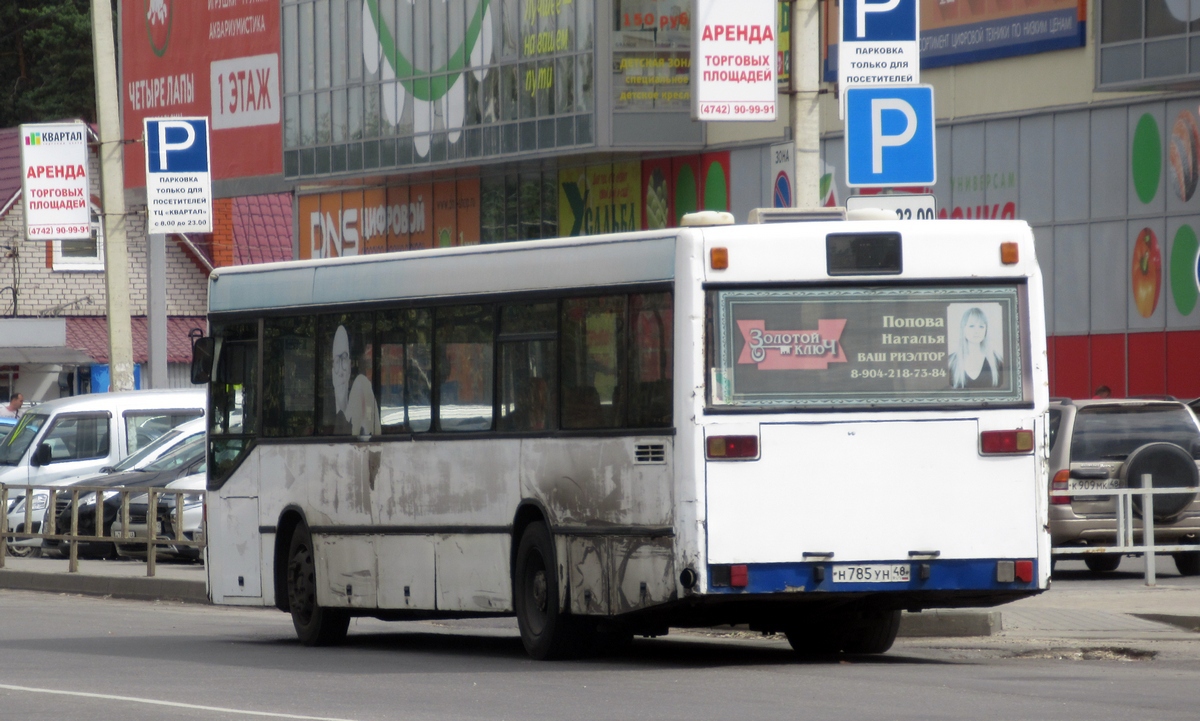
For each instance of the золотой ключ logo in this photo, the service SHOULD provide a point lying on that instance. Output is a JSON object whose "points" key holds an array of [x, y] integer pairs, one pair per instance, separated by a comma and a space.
{"points": [[448, 59]]}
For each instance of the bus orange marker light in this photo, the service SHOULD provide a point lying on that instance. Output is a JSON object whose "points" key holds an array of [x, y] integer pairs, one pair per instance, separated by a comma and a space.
{"points": [[721, 448], [1009, 253], [1024, 571], [718, 258], [1005, 442], [1060, 484], [739, 576]]}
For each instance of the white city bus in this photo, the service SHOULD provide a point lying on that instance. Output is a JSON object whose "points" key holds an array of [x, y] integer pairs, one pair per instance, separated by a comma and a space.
{"points": [[805, 427]]}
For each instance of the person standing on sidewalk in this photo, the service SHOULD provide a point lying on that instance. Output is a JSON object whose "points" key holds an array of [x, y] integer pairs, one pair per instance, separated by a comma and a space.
{"points": [[13, 409]]}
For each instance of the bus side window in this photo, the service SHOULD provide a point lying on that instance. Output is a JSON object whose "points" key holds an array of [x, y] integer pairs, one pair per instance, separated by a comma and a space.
{"points": [[528, 361], [233, 388], [346, 399], [464, 340], [289, 374], [651, 360], [405, 354], [593, 356]]}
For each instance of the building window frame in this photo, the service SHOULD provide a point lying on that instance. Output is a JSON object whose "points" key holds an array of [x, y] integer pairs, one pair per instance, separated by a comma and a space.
{"points": [[61, 261]]}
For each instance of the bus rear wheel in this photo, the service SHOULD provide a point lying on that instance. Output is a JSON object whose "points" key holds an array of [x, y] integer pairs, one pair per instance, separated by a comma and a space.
{"points": [[869, 632], [545, 631], [315, 626]]}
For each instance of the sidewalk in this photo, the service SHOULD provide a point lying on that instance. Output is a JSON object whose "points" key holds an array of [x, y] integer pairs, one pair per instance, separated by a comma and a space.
{"points": [[119, 579], [1078, 605]]}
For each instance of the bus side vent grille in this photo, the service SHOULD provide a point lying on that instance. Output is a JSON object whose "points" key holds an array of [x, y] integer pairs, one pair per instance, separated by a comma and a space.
{"points": [[651, 453]]}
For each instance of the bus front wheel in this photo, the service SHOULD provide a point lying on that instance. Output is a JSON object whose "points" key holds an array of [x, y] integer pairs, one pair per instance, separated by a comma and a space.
{"points": [[545, 632], [315, 626]]}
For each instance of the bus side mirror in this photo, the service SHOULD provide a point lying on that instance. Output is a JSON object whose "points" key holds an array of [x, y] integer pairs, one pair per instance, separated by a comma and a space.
{"points": [[42, 456], [202, 359]]}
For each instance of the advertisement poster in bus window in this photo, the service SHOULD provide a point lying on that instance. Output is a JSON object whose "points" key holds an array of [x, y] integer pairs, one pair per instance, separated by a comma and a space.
{"points": [[397, 198], [213, 59], [869, 347]]}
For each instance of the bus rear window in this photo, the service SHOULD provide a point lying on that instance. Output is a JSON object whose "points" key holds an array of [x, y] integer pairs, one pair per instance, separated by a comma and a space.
{"points": [[863, 348]]}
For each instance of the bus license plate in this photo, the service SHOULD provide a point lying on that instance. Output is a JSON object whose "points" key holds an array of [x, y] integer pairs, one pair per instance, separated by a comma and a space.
{"points": [[872, 573]]}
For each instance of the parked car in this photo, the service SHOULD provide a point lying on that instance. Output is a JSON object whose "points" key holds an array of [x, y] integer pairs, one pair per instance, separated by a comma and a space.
{"points": [[1107, 444], [6, 425], [185, 459], [159, 447], [192, 517], [66, 440]]}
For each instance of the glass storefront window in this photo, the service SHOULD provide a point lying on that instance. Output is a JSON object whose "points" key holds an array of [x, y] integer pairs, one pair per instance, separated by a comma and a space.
{"points": [[416, 74]]}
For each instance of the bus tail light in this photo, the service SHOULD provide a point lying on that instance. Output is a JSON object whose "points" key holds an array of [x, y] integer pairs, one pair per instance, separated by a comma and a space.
{"points": [[1060, 484], [739, 576], [1009, 253], [1005, 442], [1024, 571], [724, 448]]}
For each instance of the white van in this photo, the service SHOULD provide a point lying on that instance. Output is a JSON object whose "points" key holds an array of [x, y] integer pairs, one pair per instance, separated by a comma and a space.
{"points": [[60, 442]]}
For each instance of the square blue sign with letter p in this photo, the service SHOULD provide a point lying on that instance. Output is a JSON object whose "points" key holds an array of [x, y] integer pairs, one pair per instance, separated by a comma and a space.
{"points": [[879, 20], [890, 136], [177, 145]]}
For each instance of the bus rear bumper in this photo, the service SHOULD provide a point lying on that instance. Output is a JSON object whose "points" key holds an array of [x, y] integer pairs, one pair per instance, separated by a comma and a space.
{"points": [[933, 576]]}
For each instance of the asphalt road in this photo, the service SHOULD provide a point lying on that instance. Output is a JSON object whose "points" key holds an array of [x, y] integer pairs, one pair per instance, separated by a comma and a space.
{"points": [[71, 658]]}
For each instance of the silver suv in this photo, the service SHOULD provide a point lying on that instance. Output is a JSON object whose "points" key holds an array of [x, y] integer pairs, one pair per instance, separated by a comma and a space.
{"points": [[1110, 443]]}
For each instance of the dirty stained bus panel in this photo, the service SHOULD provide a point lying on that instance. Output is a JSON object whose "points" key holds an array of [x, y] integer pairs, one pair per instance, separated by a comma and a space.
{"points": [[613, 435]]}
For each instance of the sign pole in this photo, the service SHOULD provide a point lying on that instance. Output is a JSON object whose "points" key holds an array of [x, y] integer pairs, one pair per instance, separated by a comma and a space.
{"points": [[116, 254], [156, 310], [804, 107]]}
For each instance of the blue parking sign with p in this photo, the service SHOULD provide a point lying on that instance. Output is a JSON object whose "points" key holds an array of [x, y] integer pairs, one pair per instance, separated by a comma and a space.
{"points": [[877, 20], [890, 136], [177, 145]]}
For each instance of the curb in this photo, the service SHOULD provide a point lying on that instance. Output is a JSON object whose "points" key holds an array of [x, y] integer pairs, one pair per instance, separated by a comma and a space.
{"points": [[143, 588], [950, 623], [1187, 623]]}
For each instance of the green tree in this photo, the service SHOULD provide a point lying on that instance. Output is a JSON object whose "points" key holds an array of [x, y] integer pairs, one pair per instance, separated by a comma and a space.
{"points": [[46, 61]]}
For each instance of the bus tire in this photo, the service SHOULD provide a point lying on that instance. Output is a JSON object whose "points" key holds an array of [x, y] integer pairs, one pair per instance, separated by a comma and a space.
{"points": [[315, 626], [545, 632], [874, 634], [1102, 562], [866, 633]]}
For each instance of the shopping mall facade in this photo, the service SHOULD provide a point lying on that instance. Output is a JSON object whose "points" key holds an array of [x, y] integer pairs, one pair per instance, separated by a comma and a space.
{"points": [[405, 124]]}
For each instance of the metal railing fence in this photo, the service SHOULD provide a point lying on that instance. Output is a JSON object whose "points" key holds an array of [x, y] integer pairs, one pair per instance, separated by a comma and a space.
{"points": [[1126, 526], [48, 528]]}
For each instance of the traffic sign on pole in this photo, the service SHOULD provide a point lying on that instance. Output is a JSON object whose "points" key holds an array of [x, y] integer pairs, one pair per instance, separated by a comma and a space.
{"points": [[890, 137], [878, 44], [178, 177], [783, 168]]}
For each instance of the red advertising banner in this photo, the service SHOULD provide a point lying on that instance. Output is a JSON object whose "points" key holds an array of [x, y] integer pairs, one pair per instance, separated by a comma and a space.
{"points": [[214, 58]]}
